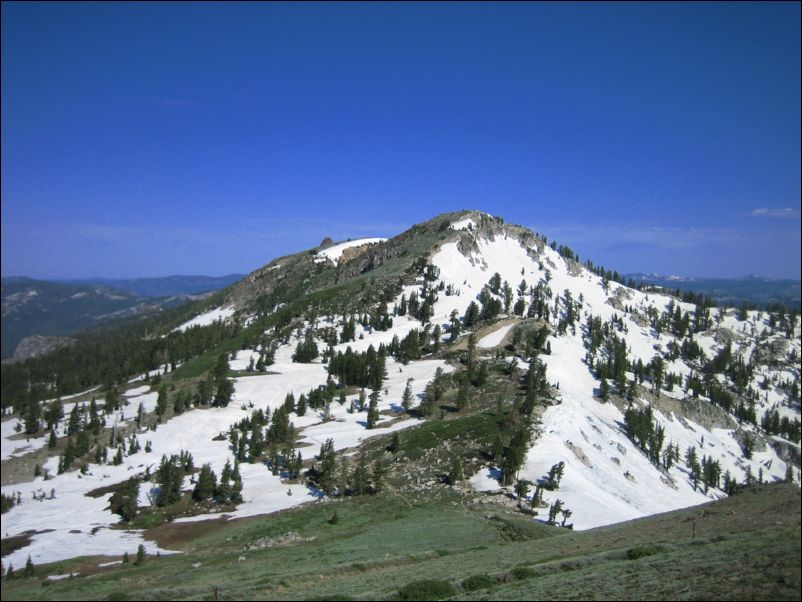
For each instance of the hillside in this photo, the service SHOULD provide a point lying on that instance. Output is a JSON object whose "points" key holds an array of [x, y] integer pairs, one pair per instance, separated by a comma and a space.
{"points": [[32, 309], [465, 361], [744, 547]]}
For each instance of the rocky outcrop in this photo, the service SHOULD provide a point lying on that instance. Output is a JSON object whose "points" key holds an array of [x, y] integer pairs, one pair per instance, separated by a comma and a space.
{"points": [[37, 345], [786, 451]]}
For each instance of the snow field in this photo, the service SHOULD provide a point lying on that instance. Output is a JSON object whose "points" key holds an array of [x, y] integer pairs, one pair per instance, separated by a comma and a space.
{"points": [[74, 524], [334, 253], [494, 338], [214, 315]]}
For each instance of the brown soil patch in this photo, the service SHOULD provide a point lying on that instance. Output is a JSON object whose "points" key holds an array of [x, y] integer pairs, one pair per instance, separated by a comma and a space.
{"points": [[174, 536]]}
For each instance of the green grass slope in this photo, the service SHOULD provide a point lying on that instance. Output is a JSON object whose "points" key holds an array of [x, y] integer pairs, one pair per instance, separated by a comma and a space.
{"points": [[450, 544]]}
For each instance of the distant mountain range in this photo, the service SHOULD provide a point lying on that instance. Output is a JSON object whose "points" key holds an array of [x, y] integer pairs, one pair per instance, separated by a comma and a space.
{"points": [[752, 289], [163, 287], [43, 309]]}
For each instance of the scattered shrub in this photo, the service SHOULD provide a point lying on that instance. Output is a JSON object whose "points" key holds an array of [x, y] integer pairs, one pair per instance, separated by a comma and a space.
{"points": [[428, 589], [522, 572], [475, 582], [643, 551]]}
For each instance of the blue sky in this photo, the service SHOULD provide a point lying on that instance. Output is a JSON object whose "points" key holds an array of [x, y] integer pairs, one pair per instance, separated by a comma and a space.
{"points": [[153, 139]]}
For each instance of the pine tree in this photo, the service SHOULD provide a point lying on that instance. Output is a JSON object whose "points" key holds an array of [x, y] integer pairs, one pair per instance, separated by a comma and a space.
{"points": [[307, 349], [236, 488], [29, 572], [471, 315], [74, 424], [373, 410], [223, 393], [462, 395], [255, 444], [456, 471], [161, 402], [169, 477], [124, 501], [32, 414], [554, 510], [406, 398], [206, 485], [395, 443], [223, 491], [377, 476], [481, 374], [140, 554], [521, 489], [514, 455], [360, 481], [554, 477], [328, 466], [692, 462], [54, 414]]}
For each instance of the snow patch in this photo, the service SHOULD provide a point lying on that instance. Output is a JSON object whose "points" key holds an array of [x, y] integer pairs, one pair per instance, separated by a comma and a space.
{"points": [[334, 253], [214, 315]]}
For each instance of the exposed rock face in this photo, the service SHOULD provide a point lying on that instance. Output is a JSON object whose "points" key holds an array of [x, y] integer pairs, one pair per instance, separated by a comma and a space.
{"points": [[770, 353], [36, 345], [787, 451], [619, 298], [701, 412], [757, 441], [580, 455]]}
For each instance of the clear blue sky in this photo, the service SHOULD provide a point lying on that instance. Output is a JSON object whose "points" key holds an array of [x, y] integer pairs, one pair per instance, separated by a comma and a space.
{"points": [[153, 139]]}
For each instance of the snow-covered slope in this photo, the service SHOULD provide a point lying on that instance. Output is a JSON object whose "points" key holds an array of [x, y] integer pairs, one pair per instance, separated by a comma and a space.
{"points": [[74, 524], [606, 479]]}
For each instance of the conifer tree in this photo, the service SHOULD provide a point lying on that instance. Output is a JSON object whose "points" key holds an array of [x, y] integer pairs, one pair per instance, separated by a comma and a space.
{"points": [[462, 395], [554, 510], [124, 501], [406, 398], [373, 410], [455, 471], [360, 481], [377, 476], [236, 484], [206, 485], [161, 403], [521, 489], [223, 492], [328, 466], [514, 454], [692, 462], [74, 424], [471, 315], [54, 413]]}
